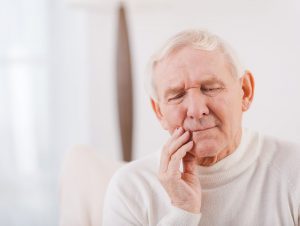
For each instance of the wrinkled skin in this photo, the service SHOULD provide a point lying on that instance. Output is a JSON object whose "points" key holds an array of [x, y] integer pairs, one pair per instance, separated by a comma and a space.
{"points": [[200, 102]]}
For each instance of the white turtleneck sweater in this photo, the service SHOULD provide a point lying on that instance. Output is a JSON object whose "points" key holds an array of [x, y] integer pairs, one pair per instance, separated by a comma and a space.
{"points": [[257, 185]]}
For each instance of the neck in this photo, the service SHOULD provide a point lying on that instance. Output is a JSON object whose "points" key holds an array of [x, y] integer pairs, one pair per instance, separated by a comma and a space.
{"points": [[211, 160]]}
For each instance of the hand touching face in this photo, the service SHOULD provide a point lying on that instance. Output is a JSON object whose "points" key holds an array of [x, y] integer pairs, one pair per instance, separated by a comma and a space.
{"points": [[184, 187], [197, 91]]}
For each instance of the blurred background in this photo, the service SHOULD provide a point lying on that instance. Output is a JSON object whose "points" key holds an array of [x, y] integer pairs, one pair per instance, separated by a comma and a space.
{"points": [[58, 83]]}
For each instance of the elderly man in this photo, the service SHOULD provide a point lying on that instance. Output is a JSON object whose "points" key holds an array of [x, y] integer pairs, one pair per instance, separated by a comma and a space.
{"points": [[211, 171]]}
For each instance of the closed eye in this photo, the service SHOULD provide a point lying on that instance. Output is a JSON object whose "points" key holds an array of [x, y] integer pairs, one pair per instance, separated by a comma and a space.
{"points": [[211, 91], [176, 97]]}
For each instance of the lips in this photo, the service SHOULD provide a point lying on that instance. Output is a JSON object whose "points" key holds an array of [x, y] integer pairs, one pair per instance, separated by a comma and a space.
{"points": [[203, 129], [203, 133], [200, 127], [202, 124]]}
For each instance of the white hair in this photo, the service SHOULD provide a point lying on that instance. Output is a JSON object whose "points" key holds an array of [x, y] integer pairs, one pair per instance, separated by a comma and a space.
{"points": [[197, 39]]}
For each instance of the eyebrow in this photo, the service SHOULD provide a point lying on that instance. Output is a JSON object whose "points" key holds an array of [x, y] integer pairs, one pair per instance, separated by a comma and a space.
{"points": [[173, 90], [213, 80], [178, 88]]}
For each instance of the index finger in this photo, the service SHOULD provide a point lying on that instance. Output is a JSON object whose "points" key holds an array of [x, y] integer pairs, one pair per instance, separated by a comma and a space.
{"points": [[171, 147]]}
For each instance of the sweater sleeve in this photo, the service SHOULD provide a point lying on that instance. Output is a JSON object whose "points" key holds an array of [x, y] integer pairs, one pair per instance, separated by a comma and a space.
{"points": [[118, 211], [123, 205], [179, 217], [118, 208]]}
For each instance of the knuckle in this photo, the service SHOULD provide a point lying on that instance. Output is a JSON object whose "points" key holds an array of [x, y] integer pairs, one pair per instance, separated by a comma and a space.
{"points": [[170, 153], [186, 135], [174, 157]]}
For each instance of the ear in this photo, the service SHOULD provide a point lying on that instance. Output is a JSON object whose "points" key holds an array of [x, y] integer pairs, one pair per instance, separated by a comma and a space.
{"points": [[159, 115], [248, 85]]}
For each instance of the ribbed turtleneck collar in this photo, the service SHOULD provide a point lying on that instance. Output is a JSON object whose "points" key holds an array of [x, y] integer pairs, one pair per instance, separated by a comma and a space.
{"points": [[234, 164]]}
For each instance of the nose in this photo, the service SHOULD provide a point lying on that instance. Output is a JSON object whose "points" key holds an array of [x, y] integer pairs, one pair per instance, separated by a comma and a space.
{"points": [[196, 105]]}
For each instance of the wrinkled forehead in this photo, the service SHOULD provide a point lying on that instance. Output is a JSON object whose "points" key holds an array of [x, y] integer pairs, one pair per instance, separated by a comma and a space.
{"points": [[189, 61]]}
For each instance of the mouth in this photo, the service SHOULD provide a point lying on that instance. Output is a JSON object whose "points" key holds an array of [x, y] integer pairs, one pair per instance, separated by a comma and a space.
{"points": [[203, 129], [202, 133]]}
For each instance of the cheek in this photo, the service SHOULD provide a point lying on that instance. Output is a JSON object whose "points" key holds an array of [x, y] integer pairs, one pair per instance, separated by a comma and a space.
{"points": [[174, 116], [232, 113], [228, 110]]}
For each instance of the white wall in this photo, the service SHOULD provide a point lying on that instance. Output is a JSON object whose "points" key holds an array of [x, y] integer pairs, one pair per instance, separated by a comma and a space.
{"points": [[264, 33]]}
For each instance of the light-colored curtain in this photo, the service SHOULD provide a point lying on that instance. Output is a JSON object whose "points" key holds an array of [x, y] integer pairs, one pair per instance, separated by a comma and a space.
{"points": [[39, 103], [26, 195], [57, 90]]}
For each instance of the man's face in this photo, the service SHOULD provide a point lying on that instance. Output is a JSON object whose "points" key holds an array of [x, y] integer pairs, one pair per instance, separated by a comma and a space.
{"points": [[197, 91]]}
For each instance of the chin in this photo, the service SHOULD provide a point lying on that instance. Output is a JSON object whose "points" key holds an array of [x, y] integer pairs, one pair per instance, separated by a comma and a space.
{"points": [[206, 145], [206, 148]]}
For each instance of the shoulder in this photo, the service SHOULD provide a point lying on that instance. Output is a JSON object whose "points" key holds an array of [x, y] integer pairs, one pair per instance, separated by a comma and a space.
{"points": [[283, 158], [130, 191], [280, 151], [138, 172], [134, 185]]}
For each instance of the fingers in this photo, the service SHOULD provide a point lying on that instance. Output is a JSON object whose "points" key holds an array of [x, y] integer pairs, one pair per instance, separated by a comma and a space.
{"points": [[174, 164], [184, 189], [178, 138]]}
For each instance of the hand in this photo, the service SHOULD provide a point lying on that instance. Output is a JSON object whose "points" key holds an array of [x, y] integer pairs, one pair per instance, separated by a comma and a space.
{"points": [[183, 188]]}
